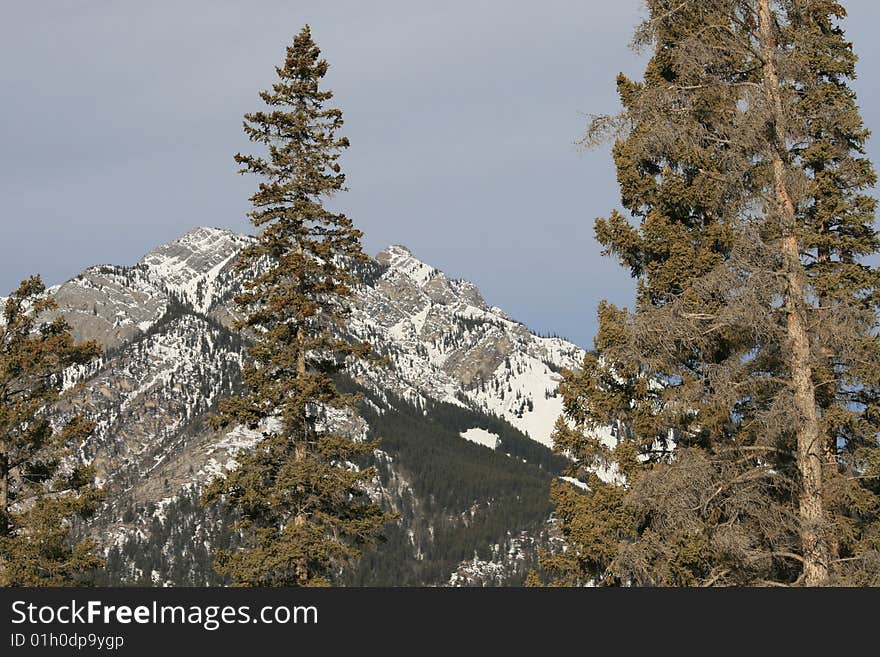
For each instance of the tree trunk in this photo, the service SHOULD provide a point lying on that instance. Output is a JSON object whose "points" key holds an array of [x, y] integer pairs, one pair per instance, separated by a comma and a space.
{"points": [[299, 450], [809, 444], [4, 493], [829, 444]]}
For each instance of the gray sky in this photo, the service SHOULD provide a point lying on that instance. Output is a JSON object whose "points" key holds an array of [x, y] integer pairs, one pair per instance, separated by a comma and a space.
{"points": [[120, 119]]}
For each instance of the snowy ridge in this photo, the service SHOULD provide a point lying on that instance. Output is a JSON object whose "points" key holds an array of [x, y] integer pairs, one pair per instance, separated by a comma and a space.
{"points": [[191, 265], [440, 338], [447, 344], [172, 352], [443, 341]]}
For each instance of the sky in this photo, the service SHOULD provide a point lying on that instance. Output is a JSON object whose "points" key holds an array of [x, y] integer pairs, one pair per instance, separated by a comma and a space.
{"points": [[120, 120]]}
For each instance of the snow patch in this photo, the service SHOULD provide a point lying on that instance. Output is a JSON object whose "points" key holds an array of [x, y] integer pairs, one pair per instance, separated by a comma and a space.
{"points": [[576, 482], [481, 437]]}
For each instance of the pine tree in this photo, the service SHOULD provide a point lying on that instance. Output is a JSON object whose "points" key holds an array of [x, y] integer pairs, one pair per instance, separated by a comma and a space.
{"points": [[303, 505], [42, 487], [744, 385]]}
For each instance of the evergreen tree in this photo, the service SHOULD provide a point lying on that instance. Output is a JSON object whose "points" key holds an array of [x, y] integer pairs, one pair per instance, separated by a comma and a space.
{"points": [[302, 504], [744, 385], [42, 487]]}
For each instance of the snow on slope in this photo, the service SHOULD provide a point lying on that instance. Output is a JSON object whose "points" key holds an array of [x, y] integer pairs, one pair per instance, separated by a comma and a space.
{"points": [[172, 353], [530, 402], [190, 266], [447, 344], [481, 437], [442, 340]]}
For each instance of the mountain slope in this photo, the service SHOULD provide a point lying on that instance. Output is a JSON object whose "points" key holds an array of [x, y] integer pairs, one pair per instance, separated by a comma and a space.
{"points": [[465, 408]]}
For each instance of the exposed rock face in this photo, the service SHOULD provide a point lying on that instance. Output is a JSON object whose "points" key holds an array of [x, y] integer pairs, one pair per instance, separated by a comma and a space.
{"points": [[448, 344], [111, 305], [171, 354], [196, 268]]}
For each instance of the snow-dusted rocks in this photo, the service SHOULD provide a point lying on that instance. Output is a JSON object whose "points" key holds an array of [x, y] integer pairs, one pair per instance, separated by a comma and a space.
{"points": [[447, 344], [193, 266], [443, 342], [171, 354]]}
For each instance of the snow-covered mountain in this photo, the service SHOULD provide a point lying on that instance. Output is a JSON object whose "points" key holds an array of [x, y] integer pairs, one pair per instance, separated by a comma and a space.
{"points": [[447, 344], [468, 394]]}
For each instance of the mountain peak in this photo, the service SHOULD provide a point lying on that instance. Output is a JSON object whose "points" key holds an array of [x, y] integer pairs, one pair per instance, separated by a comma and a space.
{"points": [[400, 259], [205, 236], [394, 253], [190, 264], [464, 390], [198, 231], [398, 248]]}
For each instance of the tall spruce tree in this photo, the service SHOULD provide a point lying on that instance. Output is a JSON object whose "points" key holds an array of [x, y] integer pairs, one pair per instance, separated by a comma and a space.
{"points": [[744, 385], [42, 485], [302, 504]]}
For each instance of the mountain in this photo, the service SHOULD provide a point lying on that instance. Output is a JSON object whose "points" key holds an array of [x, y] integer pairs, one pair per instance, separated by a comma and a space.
{"points": [[463, 405]]}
